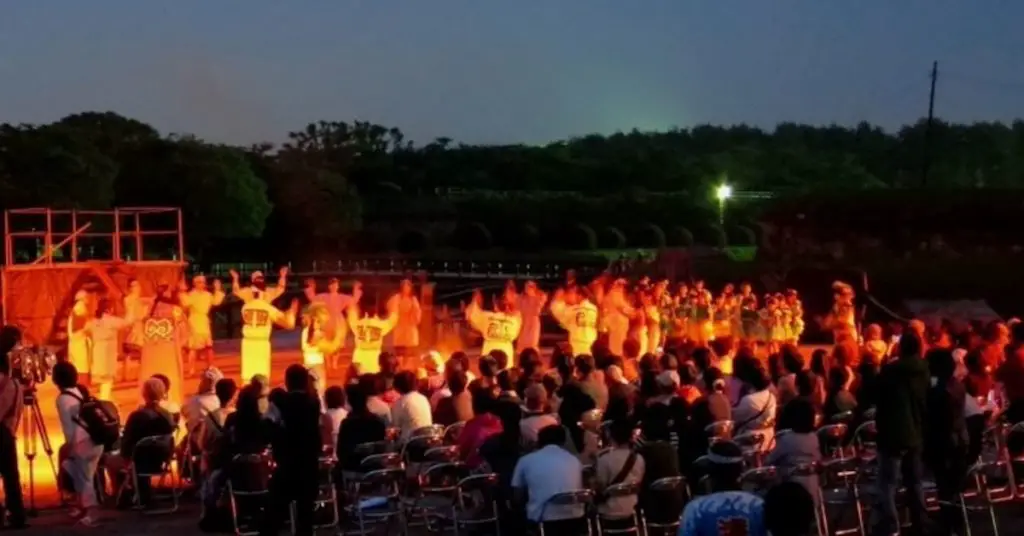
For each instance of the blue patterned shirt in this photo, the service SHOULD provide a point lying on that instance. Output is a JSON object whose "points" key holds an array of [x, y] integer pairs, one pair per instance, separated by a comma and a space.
{"points": [[727, 513]]}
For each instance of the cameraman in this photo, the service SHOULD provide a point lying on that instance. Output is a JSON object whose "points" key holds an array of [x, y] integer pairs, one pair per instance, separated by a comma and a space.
{"points": [[11, 404]]}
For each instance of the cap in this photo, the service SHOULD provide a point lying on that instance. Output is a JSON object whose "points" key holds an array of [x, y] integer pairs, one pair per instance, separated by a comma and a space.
{"points": [[725, 453]]}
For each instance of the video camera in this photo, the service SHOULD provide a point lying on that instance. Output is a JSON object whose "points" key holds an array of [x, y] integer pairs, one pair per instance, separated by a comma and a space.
{"points": [[31, 365]]}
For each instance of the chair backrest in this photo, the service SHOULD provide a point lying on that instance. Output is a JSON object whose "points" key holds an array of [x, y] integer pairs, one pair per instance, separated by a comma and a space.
{"points": [[751, 439], [152, 455], [843, 417], [864, 436], [832, 432], [591, 420], [434, 430], [720, 429], [414, 450], [479, 487], [384, 460], [579, 497], [805, 469], [869, 414], [622, 489], [373, 447], [447, 453], [839, 473], [385, 483], [668, 483], [759, 479], [442, 477], [452, 432], [249, 473]]}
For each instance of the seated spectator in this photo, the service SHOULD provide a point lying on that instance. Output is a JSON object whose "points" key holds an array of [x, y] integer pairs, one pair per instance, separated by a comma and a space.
{"points": [[488, 375], [457, 406], [789, 511], [150, 420], [389, 366], [544, 473], [793, 363], [661, 460], [334, 399], [247, 431], [727, 505], [412, 410], [211, 430], [798, 446], [756, 409], [502, 451], [592, 381], [169, 405], [483, 425], [432, 366], [839, 398], [373, 386], [688, 390], [507, 381], [621, 394], [361, 426], [537, 417], [203, 402], [619, 464]]}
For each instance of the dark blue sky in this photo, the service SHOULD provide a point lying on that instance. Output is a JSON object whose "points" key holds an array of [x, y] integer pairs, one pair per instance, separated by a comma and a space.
{"points": [[507, 71]]}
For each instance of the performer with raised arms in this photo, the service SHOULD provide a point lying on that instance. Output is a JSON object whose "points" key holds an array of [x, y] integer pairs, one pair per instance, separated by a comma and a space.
{"points": [[577, 315], [135, 306], [197, 304], [79, 342], [405, 304], [258, 319], [318, 340], [500, 328], [531, 305], [369, 331], [105, 331], [259, 286], [842, 320], [336, 304], [616, 313]]}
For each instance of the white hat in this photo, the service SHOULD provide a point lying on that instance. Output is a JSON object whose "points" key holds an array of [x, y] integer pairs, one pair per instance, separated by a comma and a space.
{"points": [[256, 275], [81, 295]]}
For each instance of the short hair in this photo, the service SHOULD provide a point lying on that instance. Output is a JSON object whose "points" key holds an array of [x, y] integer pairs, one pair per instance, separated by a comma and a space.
{"points": [[701, 357], [621, 431], [801, 415], [508, 378], [225, 389], [296, 378], [405, 382], [371, 384], [488, 366], [166, 380], [65, 375], [457, 381], [483, 402], [788, 510], [153, 390], [584, 364], [357, 397], [910, 344], [536, 397], [500, 359], [552, 434], [792, 359], [334, 397]]}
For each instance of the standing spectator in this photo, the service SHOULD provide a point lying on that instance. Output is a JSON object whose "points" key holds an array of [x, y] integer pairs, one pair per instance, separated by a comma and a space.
{"points": [[412, 410], [83, 455], [1011, 375], [544, 473], [359, 427], [946, 441], [297, 446], [334, 399], [900, 420], [11, 406], [789, 511]]}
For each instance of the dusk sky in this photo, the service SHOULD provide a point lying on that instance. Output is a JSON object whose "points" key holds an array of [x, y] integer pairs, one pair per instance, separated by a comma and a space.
{"points": [[501, 71]]}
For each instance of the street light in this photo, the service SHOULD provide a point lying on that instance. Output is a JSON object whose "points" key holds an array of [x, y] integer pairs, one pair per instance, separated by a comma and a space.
{"points": [[723, 192]]}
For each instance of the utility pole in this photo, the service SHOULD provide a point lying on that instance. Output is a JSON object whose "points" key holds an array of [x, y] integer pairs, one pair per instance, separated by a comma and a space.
{"points": [[928, 126]]}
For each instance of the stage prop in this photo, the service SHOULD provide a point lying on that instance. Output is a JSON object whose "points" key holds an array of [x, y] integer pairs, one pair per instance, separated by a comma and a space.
{"points": [[50, 255]]}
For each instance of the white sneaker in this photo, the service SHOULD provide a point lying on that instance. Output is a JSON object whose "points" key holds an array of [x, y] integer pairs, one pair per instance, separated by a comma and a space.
{"points": [[88, 521]]}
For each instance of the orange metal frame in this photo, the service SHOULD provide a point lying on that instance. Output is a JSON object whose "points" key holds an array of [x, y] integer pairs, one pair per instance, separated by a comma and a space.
{"points": [[55, 239]]}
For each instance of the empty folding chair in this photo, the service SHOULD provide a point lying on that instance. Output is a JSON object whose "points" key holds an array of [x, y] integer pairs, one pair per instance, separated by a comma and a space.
{"points": [[325, 505], [248, 491], [832, 438], [979, 501], [377, 499], [752, 445], [476, 503], [665, 491]]}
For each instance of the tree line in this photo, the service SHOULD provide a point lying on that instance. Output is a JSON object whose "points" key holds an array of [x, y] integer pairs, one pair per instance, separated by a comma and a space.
{"points": [[361, 185]]}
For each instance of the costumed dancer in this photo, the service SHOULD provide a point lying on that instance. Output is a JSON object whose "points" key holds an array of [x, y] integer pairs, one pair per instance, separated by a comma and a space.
{"points": [[531, 305], [258, 319], [701, 326], [369, 330], [616, 313], [796, 310], [79, 342], [652, 316], [197, 304], [500, 327], [749, 315], [842, 318], [336, 303], [105, 331], [163, 331], [578, 316], [638, 322], [135, 306], [405, 304], [725, 311], [773, 322], [258, 285], [318, 341]]}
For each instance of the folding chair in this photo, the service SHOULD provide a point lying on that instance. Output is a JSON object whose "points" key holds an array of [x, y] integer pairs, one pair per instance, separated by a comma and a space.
{"points": [[476, 503], [377, 499], [983, 498], [629, 524], [582, 499], [452, 432], [759, 480], [436, 493], [248, 490], [751, 444], [719, 430], [839, 488], [832, 438], [151, 458], [667, 485]]}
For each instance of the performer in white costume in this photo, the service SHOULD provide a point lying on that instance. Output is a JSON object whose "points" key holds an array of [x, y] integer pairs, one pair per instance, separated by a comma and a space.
{"points": [[104, 332], [258, 285], [258, 319], [616, 313], [79, 342], [135, 306], [336, 304], [500, 328], [318, 340], [197, 304], [405, 304], [577, 315], [531, 305], [369, 331]]}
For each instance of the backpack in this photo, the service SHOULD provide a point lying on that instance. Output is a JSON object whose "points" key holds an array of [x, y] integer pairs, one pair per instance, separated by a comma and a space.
{"points": [[99, 418]]}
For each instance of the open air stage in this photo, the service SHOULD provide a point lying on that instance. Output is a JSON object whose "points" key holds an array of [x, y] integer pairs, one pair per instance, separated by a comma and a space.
{"points": [[127, 397]]}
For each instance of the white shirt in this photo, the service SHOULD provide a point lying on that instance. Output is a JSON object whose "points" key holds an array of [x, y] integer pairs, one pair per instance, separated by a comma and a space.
{"points": [[530, 426], [544, 474], [411, 412], [749, 417], [196, 409], [337, 415], [67, 410]]}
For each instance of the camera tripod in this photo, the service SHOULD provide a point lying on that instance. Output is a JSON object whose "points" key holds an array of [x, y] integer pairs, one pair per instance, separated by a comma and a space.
{"points": [[33, 426]]}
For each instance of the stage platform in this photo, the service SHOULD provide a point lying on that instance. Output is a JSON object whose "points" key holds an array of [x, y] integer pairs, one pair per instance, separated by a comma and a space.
{"points": [[127, 397]]}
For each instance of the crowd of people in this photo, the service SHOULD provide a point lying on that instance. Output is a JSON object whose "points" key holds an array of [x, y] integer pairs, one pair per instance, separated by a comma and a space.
{"points": [[611, 408]]}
